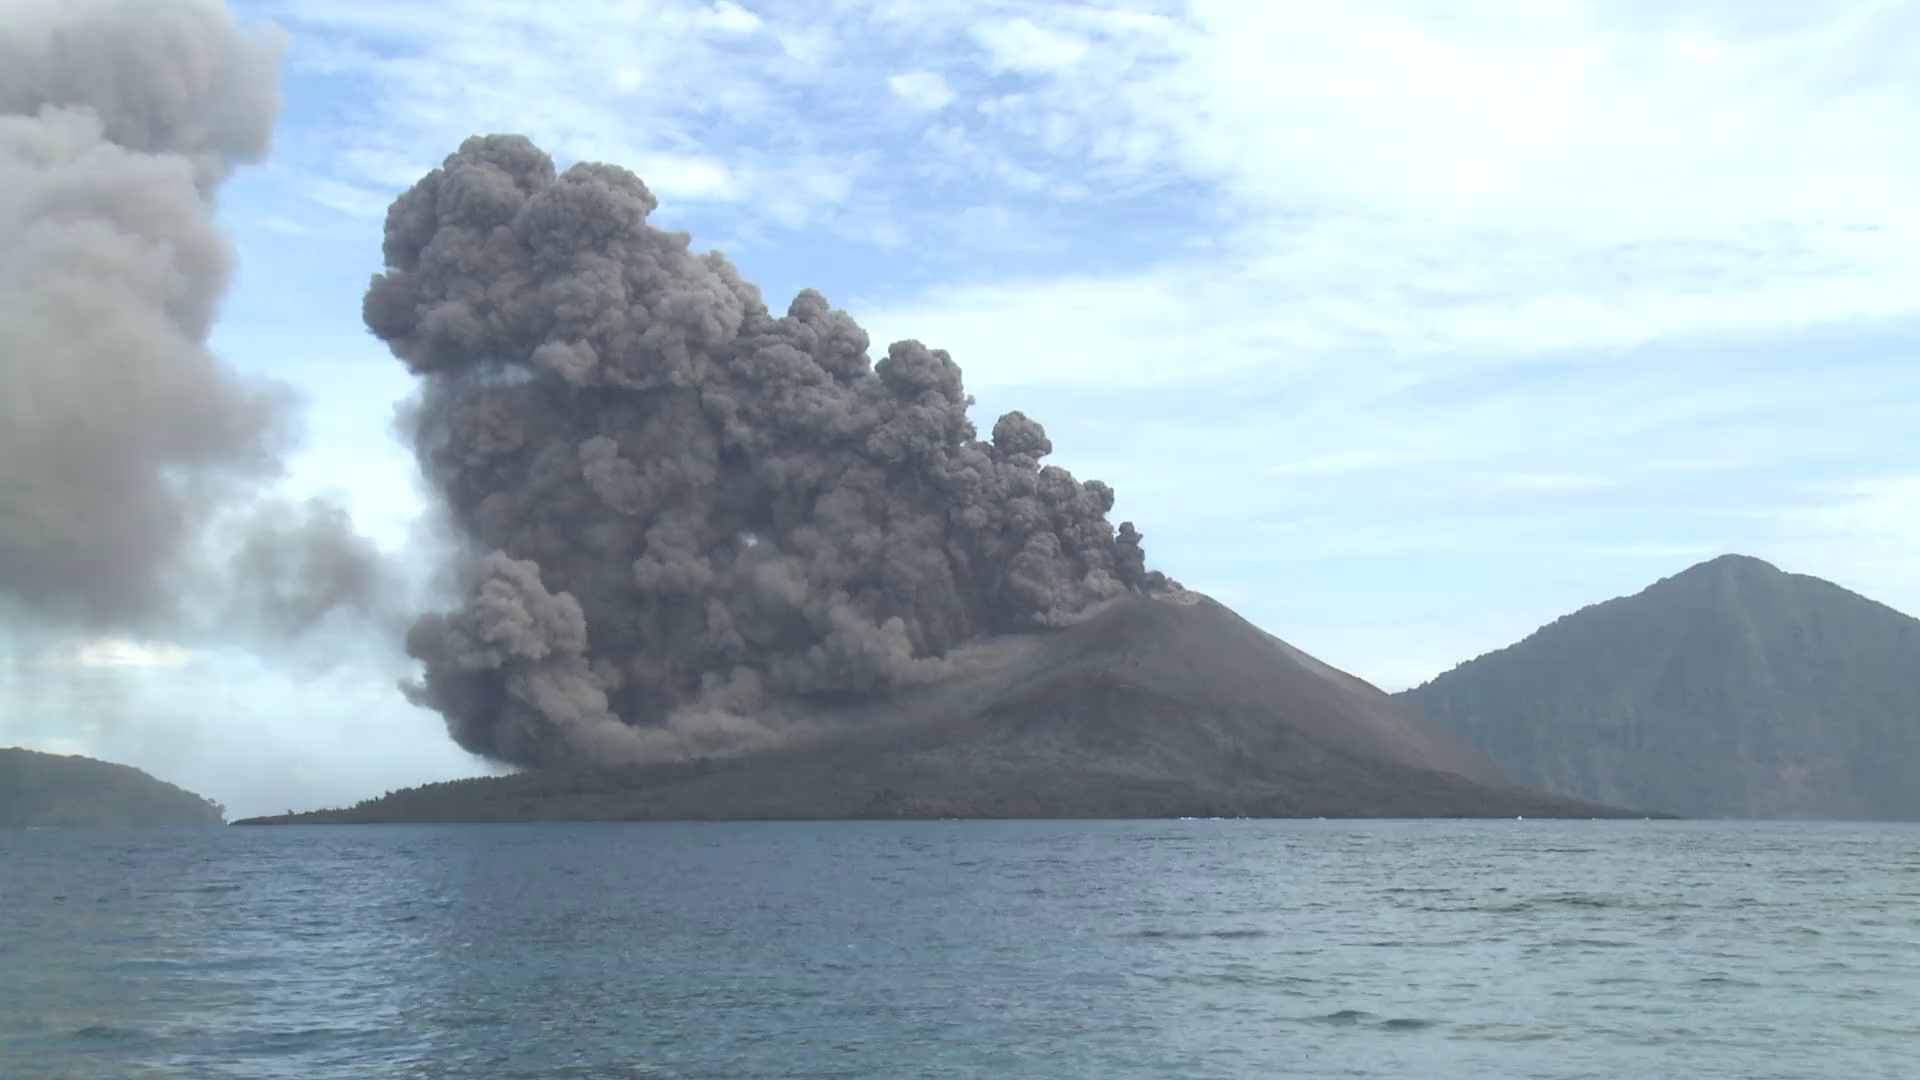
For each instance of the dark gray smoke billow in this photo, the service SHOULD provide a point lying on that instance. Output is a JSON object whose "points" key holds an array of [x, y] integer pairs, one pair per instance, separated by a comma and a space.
{"points": [[695, 511], [129, 452]]}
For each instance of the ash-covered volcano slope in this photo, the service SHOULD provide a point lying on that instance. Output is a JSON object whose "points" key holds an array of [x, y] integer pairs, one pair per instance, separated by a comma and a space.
{"points": [[1168, 706]]}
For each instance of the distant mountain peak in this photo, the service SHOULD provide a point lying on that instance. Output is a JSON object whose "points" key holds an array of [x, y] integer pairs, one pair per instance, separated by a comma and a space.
{"points": [[1737, 567], [1740, 563], [1731, 689]]}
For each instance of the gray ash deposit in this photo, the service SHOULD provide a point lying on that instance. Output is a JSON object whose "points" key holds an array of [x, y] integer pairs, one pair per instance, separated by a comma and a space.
{"points": [[1149, 708]]}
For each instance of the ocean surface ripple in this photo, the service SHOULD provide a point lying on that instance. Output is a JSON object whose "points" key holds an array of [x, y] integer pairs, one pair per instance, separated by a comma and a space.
{"points": [[1189, 949]]}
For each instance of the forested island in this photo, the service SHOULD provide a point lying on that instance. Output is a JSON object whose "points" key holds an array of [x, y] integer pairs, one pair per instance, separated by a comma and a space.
{"points": [[62, 791]]}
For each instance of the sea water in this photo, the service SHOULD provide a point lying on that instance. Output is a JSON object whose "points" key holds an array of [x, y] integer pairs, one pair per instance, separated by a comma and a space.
{"points": [[965, 949]]}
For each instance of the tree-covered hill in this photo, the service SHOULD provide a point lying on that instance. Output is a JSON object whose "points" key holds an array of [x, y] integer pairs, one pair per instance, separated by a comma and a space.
{"points": [[1730, 690], [39, 789]]}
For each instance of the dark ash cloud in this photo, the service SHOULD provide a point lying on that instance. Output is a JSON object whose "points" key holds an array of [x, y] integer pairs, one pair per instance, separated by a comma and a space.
{"points": [[680, 505]]}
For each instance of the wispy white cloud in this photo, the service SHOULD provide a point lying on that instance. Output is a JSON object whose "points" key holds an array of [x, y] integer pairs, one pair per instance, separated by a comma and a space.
{"points": [[1860, 533], [1521, 176], [351, 199], [1513, 303], [1024, 45], [1552, 482], [926, 90], [114, 653], [1405, 179], [731, 17], [1404, 298], [648, 85]]}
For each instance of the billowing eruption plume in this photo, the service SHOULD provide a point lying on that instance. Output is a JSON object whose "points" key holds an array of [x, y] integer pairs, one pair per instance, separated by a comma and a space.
{"points": [[125, 444], [687, 510]]}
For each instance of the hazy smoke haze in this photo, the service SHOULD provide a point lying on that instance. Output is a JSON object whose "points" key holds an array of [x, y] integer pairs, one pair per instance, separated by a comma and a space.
{"points": [[133, 461]]}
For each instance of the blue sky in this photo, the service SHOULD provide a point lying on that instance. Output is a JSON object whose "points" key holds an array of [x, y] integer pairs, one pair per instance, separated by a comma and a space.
{"points": [[1403, 327]]}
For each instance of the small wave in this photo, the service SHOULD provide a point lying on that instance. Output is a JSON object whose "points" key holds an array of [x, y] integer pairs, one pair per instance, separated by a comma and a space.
{"points": [[1514, 908], [1358, 1018], [636, 1071], [1295, 985], [106, 1031], [1196, 935]]}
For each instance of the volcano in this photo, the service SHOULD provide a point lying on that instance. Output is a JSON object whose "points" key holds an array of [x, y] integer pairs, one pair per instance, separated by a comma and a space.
{"points": [[1155, 706], [1733, 689]]}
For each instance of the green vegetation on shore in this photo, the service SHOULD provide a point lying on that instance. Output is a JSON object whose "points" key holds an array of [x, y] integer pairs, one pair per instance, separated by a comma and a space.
{"points": [[52, 790]]}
